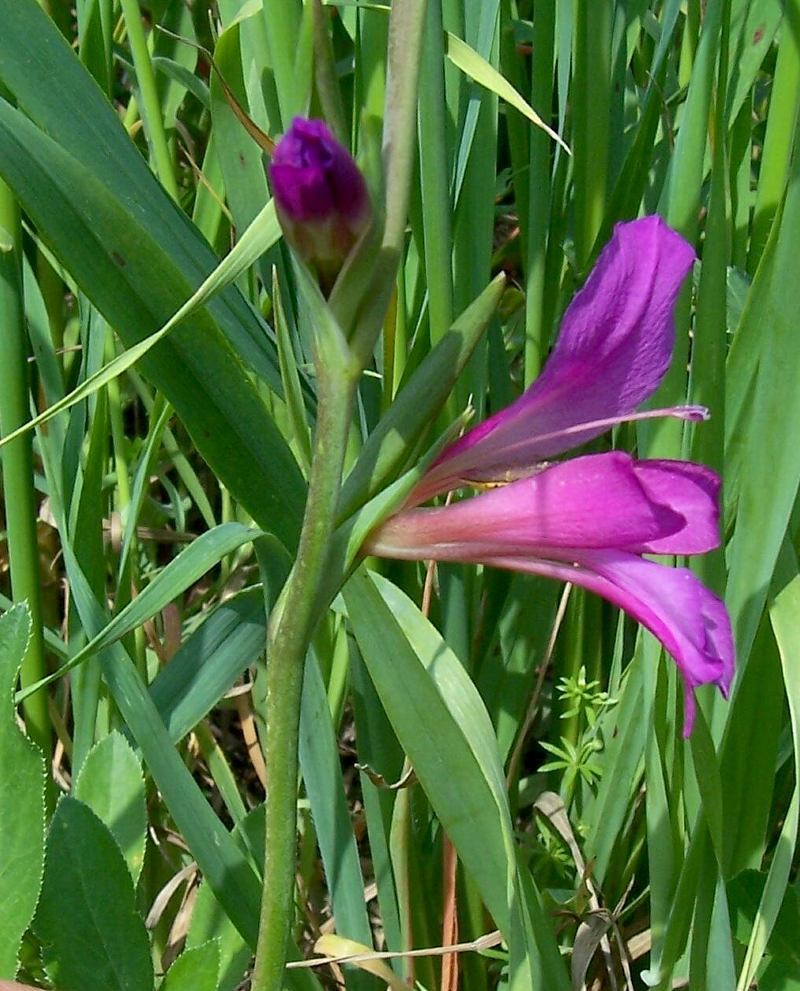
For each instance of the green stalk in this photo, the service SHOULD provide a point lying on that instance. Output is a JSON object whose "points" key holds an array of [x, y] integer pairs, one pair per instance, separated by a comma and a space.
{"points": [[17, 462], [592, 109], [680, 205], [282, 20], [435, 170], [288, 638], [784, 107], [691, 32], [709, 350], [150, 106], [544, 29], [121, 466]]}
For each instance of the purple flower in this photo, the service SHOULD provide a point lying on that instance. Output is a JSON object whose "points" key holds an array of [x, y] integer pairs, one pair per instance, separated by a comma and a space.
{"points": [[590, 520], [320, 196]]}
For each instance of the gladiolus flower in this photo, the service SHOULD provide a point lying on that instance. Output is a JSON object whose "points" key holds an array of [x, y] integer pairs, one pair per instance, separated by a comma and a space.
{"points": [[320, 197], [590, 520]]}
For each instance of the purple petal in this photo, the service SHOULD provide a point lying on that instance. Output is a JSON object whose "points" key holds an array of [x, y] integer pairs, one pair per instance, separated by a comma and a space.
{"points": [[613, 349], [689, 489], [688, 619], [596, 501]]}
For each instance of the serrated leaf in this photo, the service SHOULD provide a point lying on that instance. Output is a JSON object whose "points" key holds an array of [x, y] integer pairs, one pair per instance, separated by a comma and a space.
{"points": [[87, 920], [22, 783], [209, 922], [745, 892], [112, 785], [196, 969]]}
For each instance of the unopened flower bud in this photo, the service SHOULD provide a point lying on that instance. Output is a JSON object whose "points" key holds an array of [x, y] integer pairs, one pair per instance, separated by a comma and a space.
{"points": [[320, 195]]}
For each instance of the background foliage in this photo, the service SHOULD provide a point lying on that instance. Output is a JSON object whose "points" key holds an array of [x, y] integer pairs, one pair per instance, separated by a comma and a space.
{"points": [[513, 758]]}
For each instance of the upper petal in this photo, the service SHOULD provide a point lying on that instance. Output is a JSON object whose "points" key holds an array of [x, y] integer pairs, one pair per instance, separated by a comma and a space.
{"points": [[688, 619], [613, 349]]}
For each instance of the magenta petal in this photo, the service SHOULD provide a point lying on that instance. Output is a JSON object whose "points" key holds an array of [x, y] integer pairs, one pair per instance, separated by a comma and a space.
{"points": [[595, 501], [688, 619], [613, 349], [689, 489]]}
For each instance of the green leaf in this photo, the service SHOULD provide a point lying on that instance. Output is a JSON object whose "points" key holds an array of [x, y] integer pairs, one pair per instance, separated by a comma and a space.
{"points": [[439, 733], [111, 784], [194, 367], [93, 200], [779, 976], [443, 726], [180, 74], [209, 662], [770, 463], [217, 855], [321, 769], [22, 783], [783, 616], [240, 159], [753, 27], [259, 236], [87, 920], [196, 969]]}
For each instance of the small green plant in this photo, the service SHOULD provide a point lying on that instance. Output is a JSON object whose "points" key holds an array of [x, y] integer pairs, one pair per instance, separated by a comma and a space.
{"points": [[584, 701]]}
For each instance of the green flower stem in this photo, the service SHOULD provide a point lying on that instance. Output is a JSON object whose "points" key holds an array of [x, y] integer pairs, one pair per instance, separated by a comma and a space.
{"points": [[17, 462], [150, 105], [289, 635], [539, 183], [435, 178], [282, 22], [592, 107], [783, 110]]}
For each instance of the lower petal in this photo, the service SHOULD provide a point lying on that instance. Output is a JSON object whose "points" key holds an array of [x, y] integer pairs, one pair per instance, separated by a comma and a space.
{"points": [[688, 619]]}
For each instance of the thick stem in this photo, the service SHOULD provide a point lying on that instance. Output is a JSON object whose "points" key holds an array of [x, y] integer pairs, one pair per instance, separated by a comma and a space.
{"points": [[17, 465], [289, 635], [150, 104]]}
